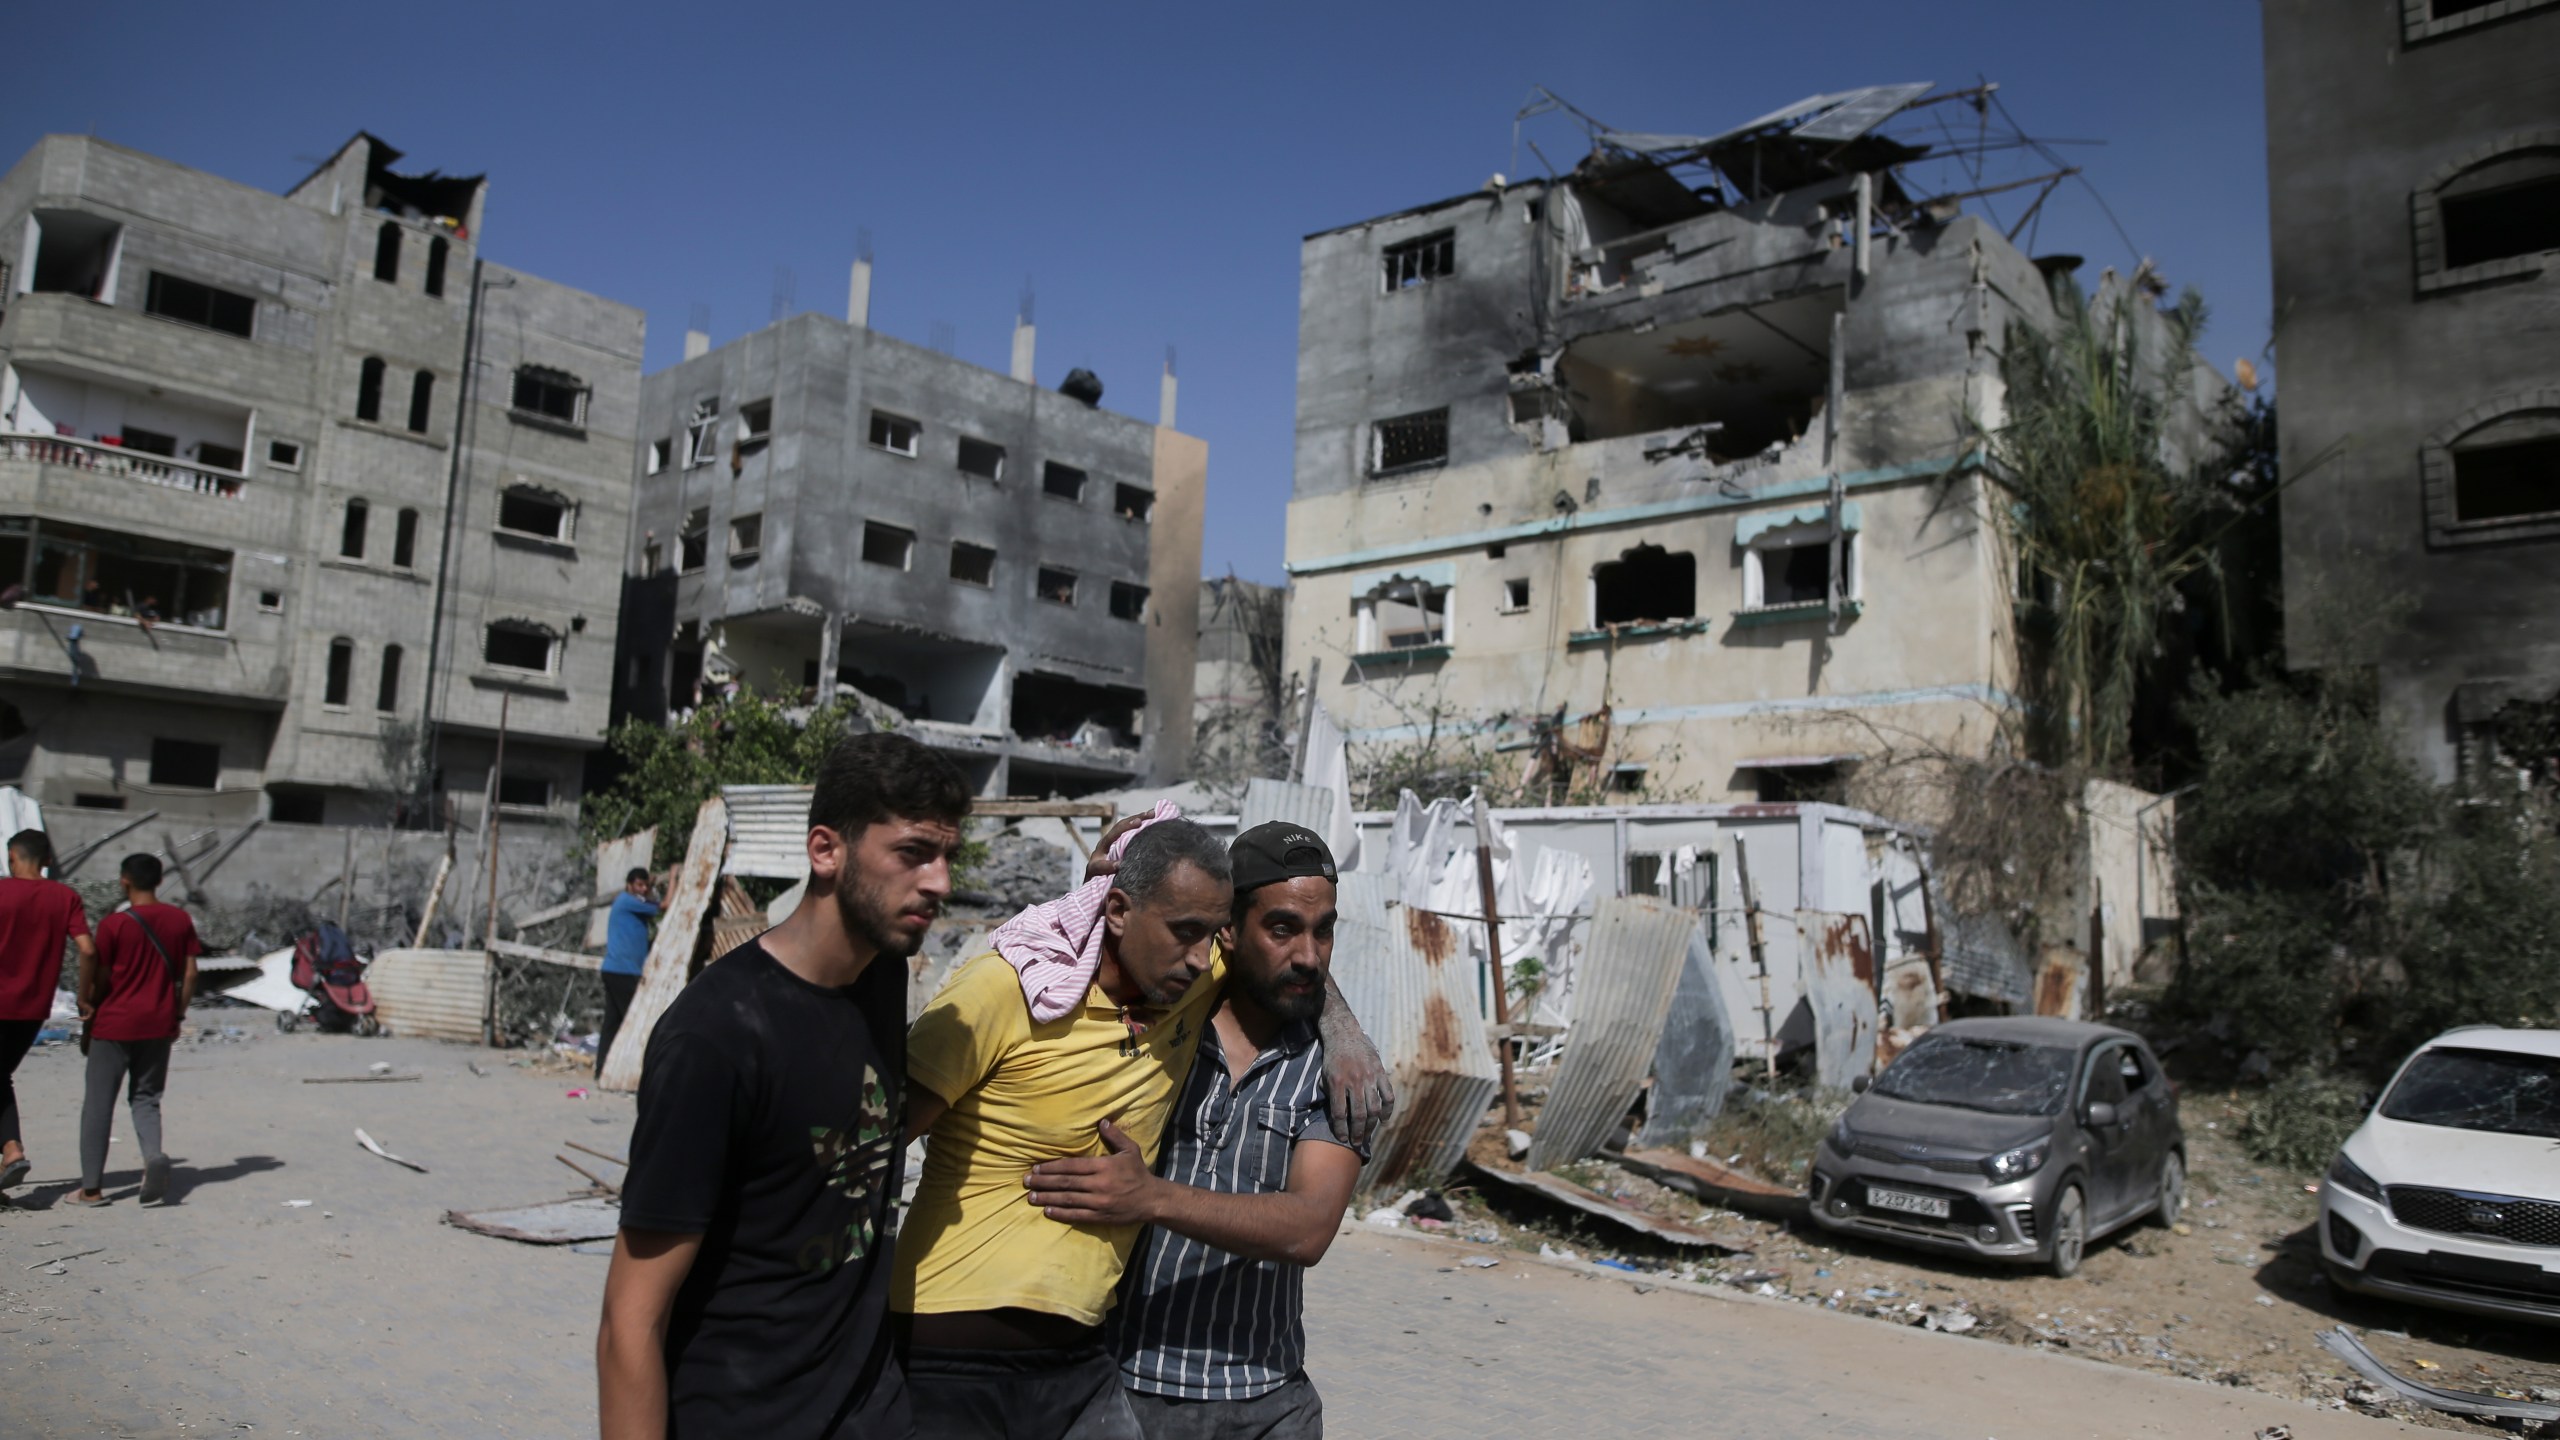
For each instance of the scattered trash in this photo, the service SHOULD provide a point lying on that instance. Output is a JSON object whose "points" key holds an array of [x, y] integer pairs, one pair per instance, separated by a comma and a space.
{"points": [[1387, 1215], [1954, 1323], [1557, 1189], [1618, 1265], [578, 1094], [592, 1247], [2274, 1432], [377, 1078], [371, 1144], [1430, 1206], [1515, 1143], [379, 1067], [1480, 1262], [56, 1260], [2267, 1300], [296, 1204], [2183, 1228], [2453, 1402], [474, 1067], [1758, 1277], [1551, 1252], [2428, 1365]]}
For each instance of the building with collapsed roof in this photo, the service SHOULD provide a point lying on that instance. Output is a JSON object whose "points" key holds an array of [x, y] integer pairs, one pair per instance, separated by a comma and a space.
{"points": [[2413, 166], [1666, 469], [1014, 568], [298, 494]]}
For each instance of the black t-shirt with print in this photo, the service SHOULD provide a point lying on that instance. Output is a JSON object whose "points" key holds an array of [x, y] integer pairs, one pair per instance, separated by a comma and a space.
{"points": [[769, 1113]]}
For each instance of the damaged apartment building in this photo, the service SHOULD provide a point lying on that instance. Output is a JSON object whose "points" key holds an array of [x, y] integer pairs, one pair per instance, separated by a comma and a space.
{"points": [[1015, 569], [1666, 469], [298, 495]]}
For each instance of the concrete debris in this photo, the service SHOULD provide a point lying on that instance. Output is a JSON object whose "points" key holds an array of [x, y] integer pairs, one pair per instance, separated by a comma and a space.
{"points": [[1715, 1183], [1558, 1190], [1021, 871]]}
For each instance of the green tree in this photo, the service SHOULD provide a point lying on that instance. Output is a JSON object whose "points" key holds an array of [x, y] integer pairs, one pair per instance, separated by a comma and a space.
{"points": [[669, 770]]}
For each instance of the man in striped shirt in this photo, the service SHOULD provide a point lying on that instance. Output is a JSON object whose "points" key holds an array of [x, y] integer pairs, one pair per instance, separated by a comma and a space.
{"points": [[1252, 1182]]}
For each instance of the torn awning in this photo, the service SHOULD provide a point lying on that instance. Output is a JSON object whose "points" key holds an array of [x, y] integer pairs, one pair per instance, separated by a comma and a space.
{"points": [[1797, 762], [1752, 527]]}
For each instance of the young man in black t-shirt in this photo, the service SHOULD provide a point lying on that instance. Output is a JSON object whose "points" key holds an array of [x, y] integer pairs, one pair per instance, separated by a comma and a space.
{"points": [[749, 1289]]}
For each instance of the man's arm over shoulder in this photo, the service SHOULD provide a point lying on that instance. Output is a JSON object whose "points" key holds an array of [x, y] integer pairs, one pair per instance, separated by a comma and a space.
{"points": [[966, 1030], [1294, 1225]]}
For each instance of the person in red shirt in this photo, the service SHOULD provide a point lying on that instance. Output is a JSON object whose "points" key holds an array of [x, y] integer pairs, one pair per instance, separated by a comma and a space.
{"points": [[37, 918], [134, 994]]}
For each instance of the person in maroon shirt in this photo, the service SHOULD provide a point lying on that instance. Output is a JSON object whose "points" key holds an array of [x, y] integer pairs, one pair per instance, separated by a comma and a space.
{"points": [[135, 993], [37, 918]]}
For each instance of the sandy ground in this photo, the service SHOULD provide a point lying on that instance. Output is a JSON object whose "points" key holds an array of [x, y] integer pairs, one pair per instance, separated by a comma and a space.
{"points": [[235, 1310], [2234, 1298]]}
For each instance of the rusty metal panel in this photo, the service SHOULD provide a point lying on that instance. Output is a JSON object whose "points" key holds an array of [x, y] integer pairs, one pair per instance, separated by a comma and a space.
{"points": [[2062, 978], [1406, 976], [670, 962], [768, 830], [1630, 968], [1839, 984], [1693, 1064], [431, 994]]}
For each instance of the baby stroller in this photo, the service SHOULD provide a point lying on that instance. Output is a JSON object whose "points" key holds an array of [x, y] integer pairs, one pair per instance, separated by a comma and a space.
{"points": [[330, 975]]}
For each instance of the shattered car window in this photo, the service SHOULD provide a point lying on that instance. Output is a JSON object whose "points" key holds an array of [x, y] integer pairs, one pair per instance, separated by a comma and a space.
{"points": [[2480, 1090], [2004, 1077]]}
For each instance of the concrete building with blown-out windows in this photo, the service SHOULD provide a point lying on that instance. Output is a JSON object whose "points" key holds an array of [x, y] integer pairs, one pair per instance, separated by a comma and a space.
{"points": [[298, 493]]}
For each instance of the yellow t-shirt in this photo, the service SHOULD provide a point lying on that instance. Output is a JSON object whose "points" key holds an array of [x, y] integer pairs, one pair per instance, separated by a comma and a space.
{"points": [[1022, 1093]]}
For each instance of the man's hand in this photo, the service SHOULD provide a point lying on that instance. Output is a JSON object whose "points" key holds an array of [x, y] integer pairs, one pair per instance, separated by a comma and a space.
{"points": [[1100, 863], [1112, 1189], [1359, 1092]]}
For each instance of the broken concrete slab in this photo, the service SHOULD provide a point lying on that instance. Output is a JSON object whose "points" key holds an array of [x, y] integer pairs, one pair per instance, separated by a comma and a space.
{"points": [[1590, 1202], [1716, 1184]]}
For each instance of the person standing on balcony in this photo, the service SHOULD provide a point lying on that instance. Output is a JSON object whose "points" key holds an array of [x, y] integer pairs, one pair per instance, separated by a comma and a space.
{"points": [[37, 918]]}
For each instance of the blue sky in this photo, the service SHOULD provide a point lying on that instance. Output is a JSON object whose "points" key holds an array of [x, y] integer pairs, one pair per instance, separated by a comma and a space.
{"points": [[1147, 169]]}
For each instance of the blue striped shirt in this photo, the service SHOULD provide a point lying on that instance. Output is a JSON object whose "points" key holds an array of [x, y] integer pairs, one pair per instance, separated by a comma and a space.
{"points": [[1193, 1321]]}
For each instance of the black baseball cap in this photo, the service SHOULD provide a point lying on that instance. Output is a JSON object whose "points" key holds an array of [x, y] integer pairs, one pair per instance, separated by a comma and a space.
{"points": [[1279, 850]]}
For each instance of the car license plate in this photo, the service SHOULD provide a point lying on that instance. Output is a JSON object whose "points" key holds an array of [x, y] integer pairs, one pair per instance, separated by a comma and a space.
{"points": [[1933, 1206]]}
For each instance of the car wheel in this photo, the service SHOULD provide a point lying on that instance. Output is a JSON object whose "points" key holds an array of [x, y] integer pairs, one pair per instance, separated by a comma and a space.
{"points": [[2070, 1232], [2173, 1191]]}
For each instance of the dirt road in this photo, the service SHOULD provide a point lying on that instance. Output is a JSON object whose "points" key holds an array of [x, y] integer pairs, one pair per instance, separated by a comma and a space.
{"points": [[235, 1310]]}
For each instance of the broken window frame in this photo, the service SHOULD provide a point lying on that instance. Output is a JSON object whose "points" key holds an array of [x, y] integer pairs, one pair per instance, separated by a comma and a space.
{"points": [[109, 256], [557, 397], [527, 794], [659, 453], [2456, 192], [1412, 264], [879, 538], [524, 500], [1633, 555], [693, 543], [702, 433], [1054, 585], [1429, 602], [1128, 601], [988, 453], [1134, 503], [185, 764], [1786, 540], [746, 536], [386, 253], [516, 631], [985, 575], [1405, 444], [755, 425], [895, 433], [1062, 481], [1515, 596], [56, 560]]}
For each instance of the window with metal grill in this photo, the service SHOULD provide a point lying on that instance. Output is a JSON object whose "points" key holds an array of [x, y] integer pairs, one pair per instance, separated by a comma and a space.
{"points": [[1409, 442], [1419, 262]]}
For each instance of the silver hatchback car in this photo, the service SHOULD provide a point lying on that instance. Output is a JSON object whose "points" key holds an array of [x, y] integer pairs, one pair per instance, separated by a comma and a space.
{"points": [[2016, 1138]]}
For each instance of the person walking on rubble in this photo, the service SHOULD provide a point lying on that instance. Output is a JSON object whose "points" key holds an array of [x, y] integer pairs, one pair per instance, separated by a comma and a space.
{"points": [[38, 917], [1209, 1326], [626, 954], [134, 992], [1072, 1038], [749, 1288]]}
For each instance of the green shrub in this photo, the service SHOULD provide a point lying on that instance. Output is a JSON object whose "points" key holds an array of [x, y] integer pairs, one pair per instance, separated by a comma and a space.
{"points": [[2301, 1120]]}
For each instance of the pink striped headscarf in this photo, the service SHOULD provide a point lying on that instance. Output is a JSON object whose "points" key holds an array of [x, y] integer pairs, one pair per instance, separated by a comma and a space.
{"points": [[1056, 946]]}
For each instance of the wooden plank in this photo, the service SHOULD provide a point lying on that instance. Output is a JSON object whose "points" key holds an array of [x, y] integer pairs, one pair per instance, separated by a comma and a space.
{"points": [[566, 958], [1041, 809], [670, 962]]}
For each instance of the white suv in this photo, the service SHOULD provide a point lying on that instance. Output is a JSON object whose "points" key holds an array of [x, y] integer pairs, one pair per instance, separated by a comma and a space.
{"points": [[2449, 1193]]}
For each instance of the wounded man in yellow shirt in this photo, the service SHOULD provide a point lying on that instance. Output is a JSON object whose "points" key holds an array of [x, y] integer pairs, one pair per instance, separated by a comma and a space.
{"points": [[1005, 1304]]}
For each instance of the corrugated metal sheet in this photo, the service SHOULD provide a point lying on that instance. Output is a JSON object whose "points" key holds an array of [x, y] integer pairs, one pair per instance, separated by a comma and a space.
{"points": [[1984, 958], [1404, 975], [1638, 947], [618, 858], [768, 830], [1693, 1064], [1840, 989], [431, 994], [1269, 800]]}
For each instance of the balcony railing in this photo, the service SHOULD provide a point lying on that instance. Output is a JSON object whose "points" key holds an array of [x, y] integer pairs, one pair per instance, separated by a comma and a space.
{"points": [[116, 460]]}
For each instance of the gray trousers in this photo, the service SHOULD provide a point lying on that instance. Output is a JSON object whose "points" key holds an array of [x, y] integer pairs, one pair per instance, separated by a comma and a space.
{"points": [[1292, 1412], [142, 1067]]}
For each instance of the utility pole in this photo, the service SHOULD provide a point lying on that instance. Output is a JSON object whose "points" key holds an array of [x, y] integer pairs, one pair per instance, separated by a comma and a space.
{"points": [[496, 766]]}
